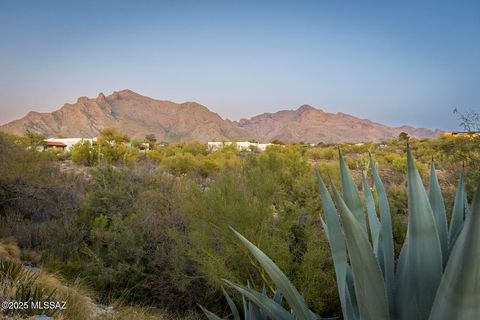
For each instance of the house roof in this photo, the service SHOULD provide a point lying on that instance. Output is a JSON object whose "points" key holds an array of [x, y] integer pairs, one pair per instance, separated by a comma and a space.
{"points": [[55, 144]]}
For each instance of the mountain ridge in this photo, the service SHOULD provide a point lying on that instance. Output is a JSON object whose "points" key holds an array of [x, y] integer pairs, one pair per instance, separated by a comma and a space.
{"points": [[138, 115]]}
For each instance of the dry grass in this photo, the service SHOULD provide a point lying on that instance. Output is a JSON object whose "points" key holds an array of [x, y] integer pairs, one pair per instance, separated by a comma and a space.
{"points": [[78, 304], [9, 249]]}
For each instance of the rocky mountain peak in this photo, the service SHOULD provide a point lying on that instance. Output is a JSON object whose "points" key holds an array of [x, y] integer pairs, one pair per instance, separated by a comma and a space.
{"points": [[134, 115], [137, 116], [305, 107], [101, 97], [83, 100]]}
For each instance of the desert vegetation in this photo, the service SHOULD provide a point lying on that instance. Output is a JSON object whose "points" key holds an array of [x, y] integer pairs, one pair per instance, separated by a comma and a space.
{"points": [[147, 231]]}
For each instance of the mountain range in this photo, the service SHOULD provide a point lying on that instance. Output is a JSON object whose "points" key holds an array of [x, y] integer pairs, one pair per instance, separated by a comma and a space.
{"points": [[137, 116]]}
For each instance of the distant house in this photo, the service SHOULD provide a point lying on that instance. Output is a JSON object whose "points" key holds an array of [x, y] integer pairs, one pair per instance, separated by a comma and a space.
{"points": [[68, 142], [54, 145], [241, 145]]}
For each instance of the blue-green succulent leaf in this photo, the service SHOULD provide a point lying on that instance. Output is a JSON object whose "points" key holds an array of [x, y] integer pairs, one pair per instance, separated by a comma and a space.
{"points": [[231, 304], [458, 295], [386, 236], [352, 306], [438, 207], [278, 296], [350, 194], [367, 276], [459, 211], [421, 270], [336, 241], [292, 296], [267, 305], [373, 221], [210, 315]]}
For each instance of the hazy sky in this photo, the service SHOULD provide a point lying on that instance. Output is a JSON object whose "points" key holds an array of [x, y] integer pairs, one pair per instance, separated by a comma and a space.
{"points": [[403, 62]]}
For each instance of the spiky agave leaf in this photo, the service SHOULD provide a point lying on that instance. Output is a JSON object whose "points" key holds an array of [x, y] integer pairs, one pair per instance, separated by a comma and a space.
{"points": [[231, 304], [368, 280], [253, 310], [459, 211], [421, 269], [350, 194], [386, 236], [436, 201], [373, 221], [458, 295], [245, 308], [337, 245], [352, 305], [278, 296], [265, 304], [292, 296], [210, 315], [263, 314]]}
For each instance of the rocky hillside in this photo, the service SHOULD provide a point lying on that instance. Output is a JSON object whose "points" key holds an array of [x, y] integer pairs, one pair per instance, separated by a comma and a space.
{"points": [[137, 116], [133, 114], [314, 125]]}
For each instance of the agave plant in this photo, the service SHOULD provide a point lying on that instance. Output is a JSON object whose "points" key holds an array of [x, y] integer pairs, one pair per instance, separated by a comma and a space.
{"points": [[435, 277]]}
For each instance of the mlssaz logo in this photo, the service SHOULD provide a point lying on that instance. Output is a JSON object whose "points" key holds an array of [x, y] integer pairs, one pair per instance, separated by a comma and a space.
{"points": [[49, 305]]}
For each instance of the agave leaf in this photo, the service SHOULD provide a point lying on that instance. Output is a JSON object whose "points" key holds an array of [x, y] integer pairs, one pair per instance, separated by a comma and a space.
{"points": [[421, 271], [325, 227], [367, 277], [400, 271], [292, 296], [262, 312], [438, 207], [380, 256], [352, 306], [231, 304], [386, 237], [459, 211], [372, 215], [270, 307], [278, 296], [459, 292], [336, 241], [253, 311], [245, 308], [210, 315], [350, 194]]}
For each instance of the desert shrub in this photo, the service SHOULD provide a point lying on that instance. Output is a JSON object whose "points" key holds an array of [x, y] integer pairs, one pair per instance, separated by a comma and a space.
{"points": [[322, 153], [194, 159], [272, 199], [126, 251], [180, 164], [32, 185], [84, 153]]}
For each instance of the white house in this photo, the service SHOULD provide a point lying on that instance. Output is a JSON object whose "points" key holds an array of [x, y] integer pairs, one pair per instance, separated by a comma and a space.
{"points": [[69, 142], [241, 145]]}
